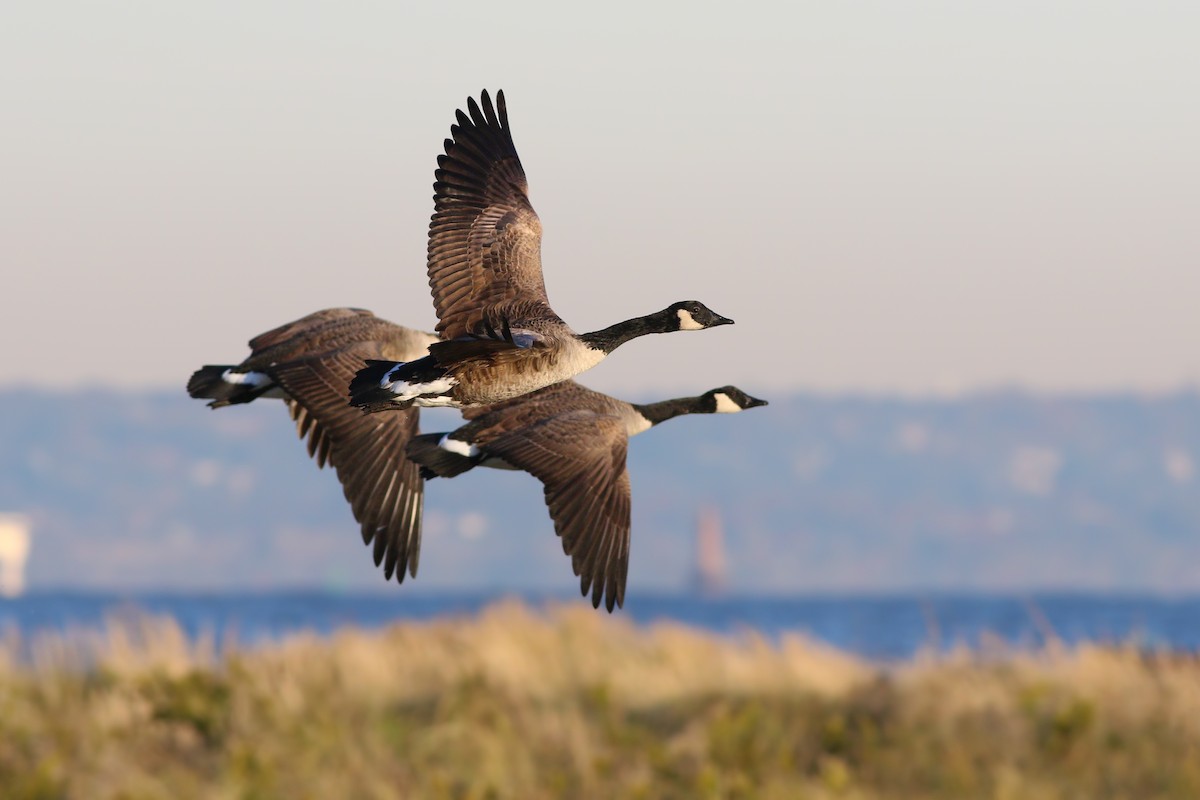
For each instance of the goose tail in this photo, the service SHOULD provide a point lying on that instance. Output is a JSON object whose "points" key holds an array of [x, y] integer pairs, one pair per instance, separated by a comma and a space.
{"points": [[390, 385], [435, 460], [225, 385]]}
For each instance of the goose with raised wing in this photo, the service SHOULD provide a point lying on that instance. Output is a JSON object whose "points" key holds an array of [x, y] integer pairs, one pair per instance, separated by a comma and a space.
{"points": [[308, 364], [573, 440], [501, 339]]}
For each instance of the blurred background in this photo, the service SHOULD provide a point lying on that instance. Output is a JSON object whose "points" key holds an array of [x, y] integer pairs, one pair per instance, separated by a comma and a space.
{"points": [[959, 242]]}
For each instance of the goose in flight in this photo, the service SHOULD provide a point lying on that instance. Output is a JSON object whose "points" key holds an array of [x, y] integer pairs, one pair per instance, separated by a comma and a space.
{"points": [[574, 441], [501, 339], [308, 364]]}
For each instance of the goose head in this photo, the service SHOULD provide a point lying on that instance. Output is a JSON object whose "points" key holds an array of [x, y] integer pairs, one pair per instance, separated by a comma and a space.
{"points": [[692, 315], [729, 400]]}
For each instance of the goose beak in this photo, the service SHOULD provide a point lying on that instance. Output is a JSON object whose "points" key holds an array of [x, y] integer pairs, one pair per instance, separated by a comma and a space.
{"points": [[755, 402], [720, 321]]}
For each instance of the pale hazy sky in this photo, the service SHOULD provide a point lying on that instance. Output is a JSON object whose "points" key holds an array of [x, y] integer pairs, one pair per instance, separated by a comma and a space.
{"points": [[885, 196]]}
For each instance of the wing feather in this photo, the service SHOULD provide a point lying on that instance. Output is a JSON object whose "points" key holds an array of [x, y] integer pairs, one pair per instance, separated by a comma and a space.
{"points": [[484, 237], [300, 330], [383, 487], [579, 456]]}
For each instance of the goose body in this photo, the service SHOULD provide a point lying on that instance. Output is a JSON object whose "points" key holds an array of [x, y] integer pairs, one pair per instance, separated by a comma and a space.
{"points": [[574, 441], [500, 337], [308, 363]]}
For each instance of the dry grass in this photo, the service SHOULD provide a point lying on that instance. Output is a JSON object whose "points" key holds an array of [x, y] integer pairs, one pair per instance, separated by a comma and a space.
{"points": [[570, 703]]}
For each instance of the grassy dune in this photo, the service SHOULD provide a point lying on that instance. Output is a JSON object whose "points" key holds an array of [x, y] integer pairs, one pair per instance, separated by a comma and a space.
{"points": [[571, 703]]}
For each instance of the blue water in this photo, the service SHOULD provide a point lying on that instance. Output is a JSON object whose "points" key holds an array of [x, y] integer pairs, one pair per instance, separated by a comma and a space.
{"points": [[877, 626]]}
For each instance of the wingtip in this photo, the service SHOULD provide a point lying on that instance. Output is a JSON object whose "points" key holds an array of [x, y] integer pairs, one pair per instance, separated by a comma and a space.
{"points": [[596, 587], [483, 112], [502, 109]]}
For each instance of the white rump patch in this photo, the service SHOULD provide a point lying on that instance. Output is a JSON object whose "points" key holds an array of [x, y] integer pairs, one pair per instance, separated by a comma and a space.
{"points": [[726, 405], [687, 322], [408, 391], [249, 378], [458, 446]]}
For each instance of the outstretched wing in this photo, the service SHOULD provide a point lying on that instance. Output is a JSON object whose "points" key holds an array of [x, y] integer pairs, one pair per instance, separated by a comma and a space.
{"points": [[383, 487], [485, 239], [579, 456]]}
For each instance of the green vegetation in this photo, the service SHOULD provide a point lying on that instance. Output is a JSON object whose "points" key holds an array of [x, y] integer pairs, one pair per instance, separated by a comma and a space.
{"points": [[571, 703]]}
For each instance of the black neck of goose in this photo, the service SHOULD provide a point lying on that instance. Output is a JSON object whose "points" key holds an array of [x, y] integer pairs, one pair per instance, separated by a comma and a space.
{"points": [[669, 409], [614, 336]]}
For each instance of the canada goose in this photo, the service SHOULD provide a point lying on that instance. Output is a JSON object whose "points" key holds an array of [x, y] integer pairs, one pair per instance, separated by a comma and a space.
{"points": [[573, 440], [308, 364], [485, 273]]}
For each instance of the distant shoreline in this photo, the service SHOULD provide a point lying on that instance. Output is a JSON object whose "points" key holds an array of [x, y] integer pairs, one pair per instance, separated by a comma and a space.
{"points": [[877, 626]]}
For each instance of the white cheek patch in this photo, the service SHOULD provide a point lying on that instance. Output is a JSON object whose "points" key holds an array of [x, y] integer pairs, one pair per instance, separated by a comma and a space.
{"points": [[458, 447], [687, 322], [245, 378], [725, 405]]}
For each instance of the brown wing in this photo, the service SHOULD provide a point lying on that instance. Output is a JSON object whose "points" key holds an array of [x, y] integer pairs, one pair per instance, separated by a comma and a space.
{"points": [[302, 328], [383, 487], [332, 329], [579, 456], [485, 239]]}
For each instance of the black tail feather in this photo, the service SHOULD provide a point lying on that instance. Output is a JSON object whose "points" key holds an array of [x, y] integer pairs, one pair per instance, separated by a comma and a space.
{"points": [[435, 462], [367, 393], [208, 383], [365, 389]]}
